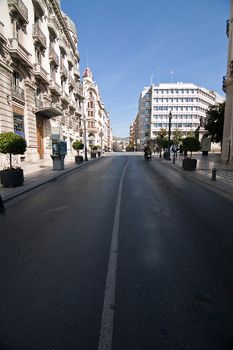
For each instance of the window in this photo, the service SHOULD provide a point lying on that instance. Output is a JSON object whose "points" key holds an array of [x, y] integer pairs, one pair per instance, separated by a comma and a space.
{"points": [[19, 124]]}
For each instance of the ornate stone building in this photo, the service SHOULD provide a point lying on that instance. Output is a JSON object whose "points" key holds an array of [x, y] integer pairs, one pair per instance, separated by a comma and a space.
{"points": [[98, 126], [40, 90]]}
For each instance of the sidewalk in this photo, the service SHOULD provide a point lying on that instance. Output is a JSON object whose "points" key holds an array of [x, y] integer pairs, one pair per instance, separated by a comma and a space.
{"points": [[36, 174], [203, 172]]}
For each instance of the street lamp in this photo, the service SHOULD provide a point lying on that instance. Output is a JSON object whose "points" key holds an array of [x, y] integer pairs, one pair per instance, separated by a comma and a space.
{"points": [[169, 135]]}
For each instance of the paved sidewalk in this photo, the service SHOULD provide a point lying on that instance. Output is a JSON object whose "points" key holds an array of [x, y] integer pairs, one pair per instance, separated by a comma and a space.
{"points": [[36, 174], [203, 173]]}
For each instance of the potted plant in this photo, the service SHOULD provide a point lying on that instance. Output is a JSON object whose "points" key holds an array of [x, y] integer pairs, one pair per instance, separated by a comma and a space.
{"points": [[78, 146], [190, 144], [12, 144]]}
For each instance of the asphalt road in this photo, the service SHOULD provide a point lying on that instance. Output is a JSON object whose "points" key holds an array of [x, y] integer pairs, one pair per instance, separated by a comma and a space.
{"points": [[172, 284]]}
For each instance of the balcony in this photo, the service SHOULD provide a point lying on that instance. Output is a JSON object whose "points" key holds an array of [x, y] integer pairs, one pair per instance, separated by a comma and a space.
{"points": [[224, 85], [71, 58], [63, 45], [54, 88], [46, 109], [78, 90], [19, 10], [19, 53], [76, 72], [63, 71], [53, 57], [52, 26], [78, 111], [39, 7], [71, 82], [38, 36], [3, 39], [65, 98], [17, 94], [40, 74]]}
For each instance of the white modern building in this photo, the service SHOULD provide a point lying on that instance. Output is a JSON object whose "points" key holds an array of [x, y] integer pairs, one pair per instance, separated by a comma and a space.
{"points": [[186, 102], [40, 90]]}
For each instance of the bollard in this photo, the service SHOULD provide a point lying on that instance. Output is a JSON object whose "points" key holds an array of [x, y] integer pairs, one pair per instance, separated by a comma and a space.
{"points": [[214, 171], [2, 208]]}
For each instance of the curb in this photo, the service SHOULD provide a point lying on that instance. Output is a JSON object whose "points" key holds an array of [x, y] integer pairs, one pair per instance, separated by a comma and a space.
{"points": [[48, 178], [214, 185]]}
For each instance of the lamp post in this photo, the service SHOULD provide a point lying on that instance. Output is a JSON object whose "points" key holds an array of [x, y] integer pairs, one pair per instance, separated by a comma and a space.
{"points": [[169, 135]]}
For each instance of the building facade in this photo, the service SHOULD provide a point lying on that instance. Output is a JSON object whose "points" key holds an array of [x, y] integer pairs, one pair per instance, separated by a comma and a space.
{"points": [[41, 92], [227, 144], [186, 102], [98, 125]]}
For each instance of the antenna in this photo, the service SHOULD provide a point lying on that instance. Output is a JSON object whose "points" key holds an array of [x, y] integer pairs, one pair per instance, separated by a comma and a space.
{"points": [[87, 59]]}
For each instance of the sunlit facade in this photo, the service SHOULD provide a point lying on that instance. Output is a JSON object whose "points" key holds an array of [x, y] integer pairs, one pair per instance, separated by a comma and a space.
{"points": [[40, 90]]}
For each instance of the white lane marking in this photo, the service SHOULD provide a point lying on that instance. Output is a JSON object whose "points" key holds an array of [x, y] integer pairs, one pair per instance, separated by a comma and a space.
{"points": [[106, 330]]}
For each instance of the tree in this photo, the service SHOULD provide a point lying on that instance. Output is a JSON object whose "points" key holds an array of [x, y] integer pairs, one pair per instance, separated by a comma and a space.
{"points": [[191, 144], [177, 137], [214, 122], [13, 144], [78, 145]]}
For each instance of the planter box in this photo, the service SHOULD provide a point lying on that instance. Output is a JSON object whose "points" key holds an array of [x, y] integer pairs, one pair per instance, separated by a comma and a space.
{"points": [[78, 159], [11, 177], [189, 164]]}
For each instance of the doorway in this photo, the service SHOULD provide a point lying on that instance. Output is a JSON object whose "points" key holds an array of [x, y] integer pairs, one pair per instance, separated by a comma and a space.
{"points": [[40, 136]]}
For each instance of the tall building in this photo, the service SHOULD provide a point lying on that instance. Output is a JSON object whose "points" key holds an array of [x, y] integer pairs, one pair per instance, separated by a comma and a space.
{"points": [[98, 125], [187, 103], [40, 91], [227, 144]]}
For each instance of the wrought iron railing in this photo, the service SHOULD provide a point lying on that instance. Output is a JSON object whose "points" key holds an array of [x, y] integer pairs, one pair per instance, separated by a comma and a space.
{"points": [[20, 6], [39, 103], [64, 70], [38, 32], [54, 55], [17, 92]]}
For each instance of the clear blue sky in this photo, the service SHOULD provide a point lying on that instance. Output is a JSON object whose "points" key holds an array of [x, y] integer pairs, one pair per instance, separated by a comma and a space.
{"points": [[128, 41]]}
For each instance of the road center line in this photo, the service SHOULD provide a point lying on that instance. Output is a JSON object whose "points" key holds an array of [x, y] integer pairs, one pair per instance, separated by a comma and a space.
{"points": [[106, 330]]}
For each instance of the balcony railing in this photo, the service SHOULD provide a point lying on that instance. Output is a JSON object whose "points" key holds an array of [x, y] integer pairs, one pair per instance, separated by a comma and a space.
{"points": [[39, 103], [71, 81], [18, 93], [53, 56], [76, 72], [38, 35], [55, 88], [64, 70], [40, 73], [78, 90], [52, 25], [17, 7], [19, 52]]}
